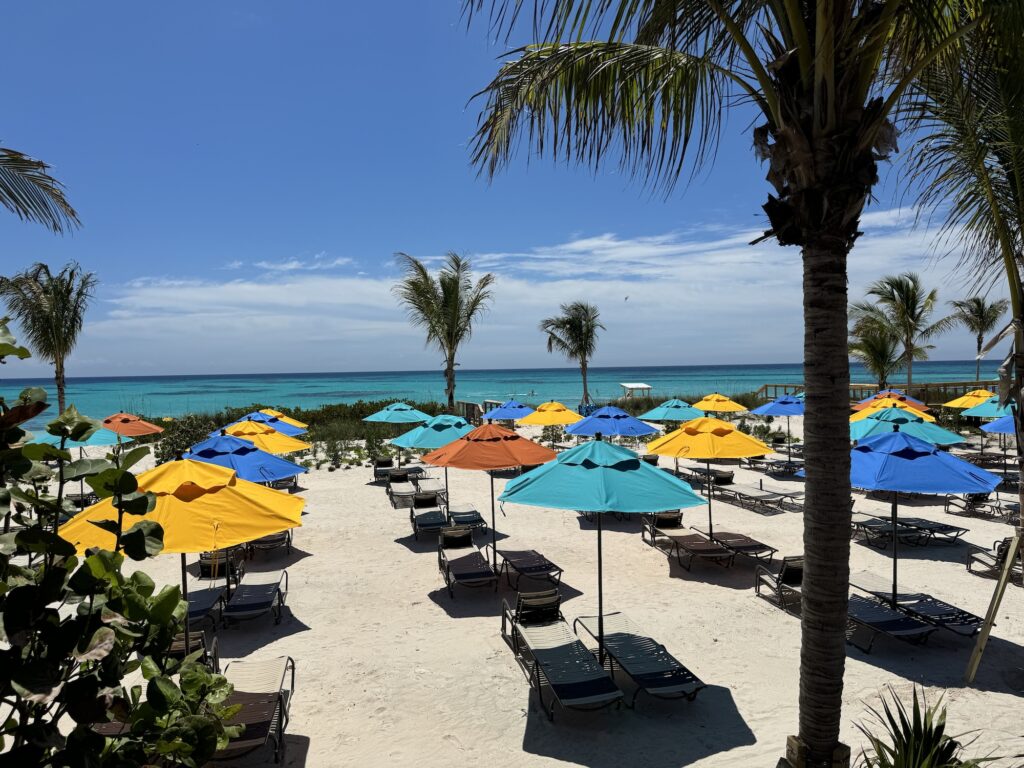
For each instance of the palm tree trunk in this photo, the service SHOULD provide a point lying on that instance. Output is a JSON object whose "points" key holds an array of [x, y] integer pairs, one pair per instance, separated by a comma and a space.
{"points": [[58, 377], [586, 392], [828, 508], [910, 366], [449, 382], [977, 359]]}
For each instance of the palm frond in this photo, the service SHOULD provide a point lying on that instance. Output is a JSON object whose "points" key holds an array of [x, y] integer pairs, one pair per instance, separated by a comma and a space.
{"points": [[32, 194], [573, 333]]}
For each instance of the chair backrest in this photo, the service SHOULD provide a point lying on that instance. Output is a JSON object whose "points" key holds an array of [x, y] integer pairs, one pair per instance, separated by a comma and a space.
{"points": [[455, 537], [538, 607], [670, 519], [425, 500], [651, 458], [977, 498], [383, 463], [1003, 549], [792, 572], [399, 476]]}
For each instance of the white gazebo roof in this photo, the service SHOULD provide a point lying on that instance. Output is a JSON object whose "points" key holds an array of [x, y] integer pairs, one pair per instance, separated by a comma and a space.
{"points": [[635, 386]]}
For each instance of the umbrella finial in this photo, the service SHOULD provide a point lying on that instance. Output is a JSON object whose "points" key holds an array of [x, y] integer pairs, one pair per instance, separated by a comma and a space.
{"points": [[597, 435], [223, 433]]}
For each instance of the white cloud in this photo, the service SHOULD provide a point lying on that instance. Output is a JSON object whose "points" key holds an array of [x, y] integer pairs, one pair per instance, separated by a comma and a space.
{"points": [[698, 296], [319, 261]]}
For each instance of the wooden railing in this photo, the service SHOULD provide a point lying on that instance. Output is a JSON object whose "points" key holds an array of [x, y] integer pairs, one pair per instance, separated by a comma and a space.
{"points": [[932, 392]]}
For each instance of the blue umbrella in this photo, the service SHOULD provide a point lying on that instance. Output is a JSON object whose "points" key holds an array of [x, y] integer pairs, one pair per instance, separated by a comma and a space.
{"points": [[898, 462], [437, 432], [510, 410], [673, 410], [610, 420], [599, 477], [787, 406], [398, 413], [271, 421], [1001, 426], [990, 409], [890, 419], [248, 461]]}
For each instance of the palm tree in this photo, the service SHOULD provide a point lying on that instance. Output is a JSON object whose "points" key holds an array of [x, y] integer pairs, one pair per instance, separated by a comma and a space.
{"points": [[878, 351], [50, 308], [650, 82], [574, 334], [446, 306], [980, 318], [903, 308], [28, 191]]}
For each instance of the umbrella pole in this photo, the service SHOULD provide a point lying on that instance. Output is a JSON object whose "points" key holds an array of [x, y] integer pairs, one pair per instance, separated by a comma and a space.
{"points": [[600, 595], [711, 530], [494, 534], [895, 543], [447, 496], [789, 443], [184, 596]]}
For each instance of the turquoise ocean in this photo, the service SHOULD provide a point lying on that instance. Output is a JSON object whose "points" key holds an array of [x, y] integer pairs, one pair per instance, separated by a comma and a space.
{"points": [[177, 395]]}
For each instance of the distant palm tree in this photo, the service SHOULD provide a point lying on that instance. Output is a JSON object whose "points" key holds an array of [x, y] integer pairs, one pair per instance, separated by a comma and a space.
{"points": [[445, 306], [878, 350], [50, 310], [574, 334], [904, 309], [28, 191], [980, 318]]}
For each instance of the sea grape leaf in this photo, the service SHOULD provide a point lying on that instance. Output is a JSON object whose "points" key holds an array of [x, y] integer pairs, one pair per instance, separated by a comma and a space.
{"points": [[73, 425], [8, 344], [134, 456], [99, 647], [82, 468], [142, 540], [21, 413], [44, 452], [112, 481]]}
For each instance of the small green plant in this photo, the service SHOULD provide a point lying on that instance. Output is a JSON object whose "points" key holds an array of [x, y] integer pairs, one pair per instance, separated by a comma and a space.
{"points": [[181, 434], [551, 434]]}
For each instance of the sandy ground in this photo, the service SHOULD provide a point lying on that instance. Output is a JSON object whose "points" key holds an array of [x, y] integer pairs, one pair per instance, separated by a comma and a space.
{"points": [[391, 670]]}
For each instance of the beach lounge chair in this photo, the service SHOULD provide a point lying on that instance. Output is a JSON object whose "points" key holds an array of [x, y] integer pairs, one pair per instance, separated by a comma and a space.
{"points": [[553, 656], [529, 563], [466, 515], [212, 565], [204, 602], [741, 544], [382, 469], [989, 562], [783, 468], [973, 505], [878, 531], [256, 598], [660, 524], [941, 614], [786, 584], [875, 617], [753, 498], [264, 690], [688, 547], [651, 458], [198, 641], [426, 520], [285, 483], [273, 541], [461, 562], [402, 495], [932, 531], [647, 662], [430, 485]]}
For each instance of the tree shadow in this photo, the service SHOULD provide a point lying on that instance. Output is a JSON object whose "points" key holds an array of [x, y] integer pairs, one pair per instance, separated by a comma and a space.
{"points": [[657, 734], [296, 755], [245, 637]]}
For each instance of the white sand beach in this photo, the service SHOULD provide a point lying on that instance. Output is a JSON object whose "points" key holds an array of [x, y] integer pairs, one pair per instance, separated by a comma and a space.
{"points": [[393, 671]]}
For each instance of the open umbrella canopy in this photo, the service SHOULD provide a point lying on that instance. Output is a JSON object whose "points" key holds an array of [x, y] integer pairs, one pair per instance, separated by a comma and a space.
{"points": [[897, 461], [889, 393], [971, 399], [717, 403], [989, 409], [550, 414], [489, 447], [708, 439], [610, 420], [787, 405], [285, 418], [439, 431], [888, 396], [248, 461], [130, 425], [274, 422], [510, 410], [1001, 426], [672, 410], [398, 413], [597, 476], [264, 437], [890, 419], [200, 506], [888, 402], [99, 437]]}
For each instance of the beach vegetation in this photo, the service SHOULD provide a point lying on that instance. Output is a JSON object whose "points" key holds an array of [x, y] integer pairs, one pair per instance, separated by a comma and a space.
{"points": [[181, 434], [650, 83], [446, 306], [980, 317], [50, 309], [877, 348], [573, 333]]}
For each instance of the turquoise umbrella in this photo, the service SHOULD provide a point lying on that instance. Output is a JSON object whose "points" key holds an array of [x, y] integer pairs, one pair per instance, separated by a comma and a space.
{"points": [[672, 410], [890, 419], [437, 432], [600, 477], [398, 413], [990, 409]]}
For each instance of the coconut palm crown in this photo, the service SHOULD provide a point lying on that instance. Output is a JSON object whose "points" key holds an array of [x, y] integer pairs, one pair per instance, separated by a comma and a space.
{"points": [[574, 334]]}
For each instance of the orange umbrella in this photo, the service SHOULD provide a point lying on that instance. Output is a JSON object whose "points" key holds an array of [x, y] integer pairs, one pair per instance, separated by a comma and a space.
{"points": [[130, 425], [489, 447]]}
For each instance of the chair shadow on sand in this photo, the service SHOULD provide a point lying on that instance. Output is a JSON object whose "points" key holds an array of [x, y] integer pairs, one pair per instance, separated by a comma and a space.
{"points": [[474, 602], [254, 635], [296, 755], [657, 734]]}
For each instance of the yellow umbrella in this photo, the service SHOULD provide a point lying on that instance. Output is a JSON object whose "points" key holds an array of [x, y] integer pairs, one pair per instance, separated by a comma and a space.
{"points": [[717, 403], [706, 438], [549, 414], [888, 402], [285, 418], [971, 399], [265, 437], [200, 506]]}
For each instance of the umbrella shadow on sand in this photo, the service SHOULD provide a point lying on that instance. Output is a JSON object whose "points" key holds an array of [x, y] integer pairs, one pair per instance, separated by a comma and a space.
{"points": [[657, 734], [275, 560], [427, 542]]}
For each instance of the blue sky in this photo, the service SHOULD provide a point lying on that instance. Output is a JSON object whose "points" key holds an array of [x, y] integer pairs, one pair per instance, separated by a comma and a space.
{"points": [[244, 172]]}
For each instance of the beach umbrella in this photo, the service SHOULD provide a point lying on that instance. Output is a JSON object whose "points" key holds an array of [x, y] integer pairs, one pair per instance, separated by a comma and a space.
{"points": [[99, 437], [599, 477], [610, 420], [274, 422], [248, 461], [672, 410], [971, 399], [550, 414], [897, 462], [1001, 426], [887, 397], [888, 402], [130, 425], [285, 418], [708, 439], [510, 410], [989, 409], [398, 413], [800, 395], [717, 403], [264, 437], [437, 432], [885, 421], [490, 447], [787, 406]]}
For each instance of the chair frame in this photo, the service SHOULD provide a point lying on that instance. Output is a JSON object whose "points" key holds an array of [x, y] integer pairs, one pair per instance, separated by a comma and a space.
{"points": [[278, 601]]}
